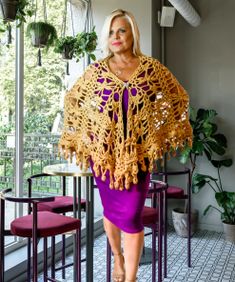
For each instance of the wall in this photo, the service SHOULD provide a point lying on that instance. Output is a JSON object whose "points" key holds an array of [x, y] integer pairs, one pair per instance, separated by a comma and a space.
{"points": [[203, 60], [140, 9]]}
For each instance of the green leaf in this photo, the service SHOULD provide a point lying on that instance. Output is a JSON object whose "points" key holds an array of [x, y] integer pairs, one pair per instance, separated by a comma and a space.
{"points": [[207, 209], [215, 147], [208, 153], [226, 200], [208, 129], [220, 139], [192, 114], [198, 146], [184, 155], [220, 163], [200, 180], [93, 57]]}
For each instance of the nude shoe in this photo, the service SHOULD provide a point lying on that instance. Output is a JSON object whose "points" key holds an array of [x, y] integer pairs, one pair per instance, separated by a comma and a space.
{"points": [[119, 276]]}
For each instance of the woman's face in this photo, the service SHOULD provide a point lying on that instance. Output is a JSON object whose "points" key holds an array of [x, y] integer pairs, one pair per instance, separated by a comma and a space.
{"points": [[120, 36]]}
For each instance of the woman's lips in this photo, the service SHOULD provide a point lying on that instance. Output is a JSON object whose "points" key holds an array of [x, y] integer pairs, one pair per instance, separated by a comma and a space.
{"points": [[116, 43]]}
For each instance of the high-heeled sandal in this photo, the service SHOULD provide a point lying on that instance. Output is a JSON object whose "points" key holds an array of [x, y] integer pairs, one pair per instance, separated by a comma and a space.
{"points": [[119, 276]]}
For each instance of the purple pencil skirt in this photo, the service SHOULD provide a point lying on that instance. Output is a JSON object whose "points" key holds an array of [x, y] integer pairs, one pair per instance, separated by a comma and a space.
{"points": [[124, 208]]}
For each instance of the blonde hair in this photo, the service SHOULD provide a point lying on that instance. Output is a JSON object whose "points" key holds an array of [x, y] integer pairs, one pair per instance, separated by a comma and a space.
{"points": [[106, 29]]}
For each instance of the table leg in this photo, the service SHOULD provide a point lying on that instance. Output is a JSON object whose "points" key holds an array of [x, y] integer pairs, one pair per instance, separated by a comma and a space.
{"points": [[75, 197], [75, 216], [89, 228], [79, 183]]}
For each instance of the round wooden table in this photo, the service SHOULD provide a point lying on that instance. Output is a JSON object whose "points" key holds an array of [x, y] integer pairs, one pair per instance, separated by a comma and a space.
{"points": [[65, 170]]}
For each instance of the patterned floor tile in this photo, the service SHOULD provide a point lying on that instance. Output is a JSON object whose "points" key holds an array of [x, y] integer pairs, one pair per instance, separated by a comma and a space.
{"points": [[213, 260]]}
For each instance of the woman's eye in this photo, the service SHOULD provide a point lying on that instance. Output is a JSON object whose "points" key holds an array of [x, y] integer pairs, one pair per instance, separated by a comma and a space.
{"points": [[122, 30], [111, 32]]}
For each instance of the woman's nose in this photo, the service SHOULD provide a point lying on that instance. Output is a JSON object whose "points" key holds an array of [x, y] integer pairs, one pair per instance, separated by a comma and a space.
{"points": [[116, 35]]}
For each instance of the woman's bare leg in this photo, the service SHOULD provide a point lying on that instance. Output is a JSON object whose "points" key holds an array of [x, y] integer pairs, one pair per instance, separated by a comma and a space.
{"points": [[114, 235], [133, 246]]}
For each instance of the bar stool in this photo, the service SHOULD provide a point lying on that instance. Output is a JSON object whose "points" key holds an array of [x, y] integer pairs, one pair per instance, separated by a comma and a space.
{"points": [[176, 192], [152, 217], [35, 226], [61, 205]]}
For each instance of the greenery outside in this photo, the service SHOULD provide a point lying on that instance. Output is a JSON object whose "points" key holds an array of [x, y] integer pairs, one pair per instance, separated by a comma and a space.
{"points": [[43, 95]]}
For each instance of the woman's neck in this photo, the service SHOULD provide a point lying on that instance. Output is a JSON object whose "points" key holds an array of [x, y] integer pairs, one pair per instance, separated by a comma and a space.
{"points": [[123, 58]]}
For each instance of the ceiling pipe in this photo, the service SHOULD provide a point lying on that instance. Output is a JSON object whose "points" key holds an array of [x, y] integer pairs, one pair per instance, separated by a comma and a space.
{"points": [[187, 11]]}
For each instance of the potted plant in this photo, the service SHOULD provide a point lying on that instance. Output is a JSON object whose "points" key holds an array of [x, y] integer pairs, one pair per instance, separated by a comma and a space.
{"points": [[12, 10], [65, 46], [206, 141], [77, 46], [224, 199], [86, 43], [42, 34], [15, 10]]}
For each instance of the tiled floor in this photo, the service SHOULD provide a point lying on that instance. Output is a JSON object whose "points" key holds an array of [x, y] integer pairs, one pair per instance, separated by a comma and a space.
{"points": [[213, 259]]}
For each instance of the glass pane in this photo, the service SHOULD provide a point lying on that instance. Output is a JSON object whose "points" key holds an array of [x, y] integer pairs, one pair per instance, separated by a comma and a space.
{"points": [[7, 118], [43, 91]]}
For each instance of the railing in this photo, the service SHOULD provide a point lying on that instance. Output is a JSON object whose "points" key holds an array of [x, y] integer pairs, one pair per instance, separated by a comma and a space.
{"points": [[39, 151]]}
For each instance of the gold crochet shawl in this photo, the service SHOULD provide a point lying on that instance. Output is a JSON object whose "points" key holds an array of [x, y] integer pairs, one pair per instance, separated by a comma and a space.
{"points": [[157, 120]]}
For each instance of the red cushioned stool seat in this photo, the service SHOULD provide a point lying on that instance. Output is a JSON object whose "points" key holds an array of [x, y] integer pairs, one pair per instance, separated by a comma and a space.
{"points": [[49, 224], [149, 215], [174, 192], [61, 204]]}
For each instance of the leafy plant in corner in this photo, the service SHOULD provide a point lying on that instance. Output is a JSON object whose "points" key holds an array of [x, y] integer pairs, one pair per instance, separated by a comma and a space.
{"points": [[224, 199], [206, 141]]}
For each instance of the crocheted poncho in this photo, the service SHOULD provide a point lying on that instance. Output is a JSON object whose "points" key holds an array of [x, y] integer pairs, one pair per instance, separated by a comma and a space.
{"points": [[156, 123]]}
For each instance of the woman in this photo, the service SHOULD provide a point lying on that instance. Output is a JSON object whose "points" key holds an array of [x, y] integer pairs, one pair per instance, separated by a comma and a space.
{"points": [[125, 112]]}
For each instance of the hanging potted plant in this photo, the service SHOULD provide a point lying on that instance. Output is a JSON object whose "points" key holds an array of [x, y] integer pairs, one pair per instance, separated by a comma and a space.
{"points": [[65, 46], [9, 9], [42, 34], [77, 46], [12, 10], [86, 43]]}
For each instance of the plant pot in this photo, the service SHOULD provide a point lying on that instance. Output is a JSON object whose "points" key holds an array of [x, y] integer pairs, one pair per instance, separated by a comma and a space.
{"points": [[39, 40], [180, 221], [8, 10], [229, 232], [67, 53]]}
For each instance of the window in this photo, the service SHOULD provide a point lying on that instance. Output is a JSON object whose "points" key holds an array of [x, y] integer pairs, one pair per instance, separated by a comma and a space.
{"points": [[44, 88], [7, 116]]}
